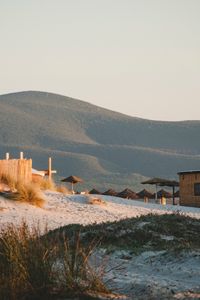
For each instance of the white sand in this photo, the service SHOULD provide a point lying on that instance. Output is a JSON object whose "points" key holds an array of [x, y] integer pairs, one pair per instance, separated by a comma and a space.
{"points": [[147, 276], [60, 210]]}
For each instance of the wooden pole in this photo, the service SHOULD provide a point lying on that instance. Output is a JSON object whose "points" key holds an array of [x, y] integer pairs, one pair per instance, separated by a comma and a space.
{"points": [[173, 195], [50, 168], [21, 155], [156, 195], [7, 156]]}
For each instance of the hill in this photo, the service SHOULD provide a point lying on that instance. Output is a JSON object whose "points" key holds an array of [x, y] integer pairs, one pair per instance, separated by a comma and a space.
{"points": [[106, 148]]}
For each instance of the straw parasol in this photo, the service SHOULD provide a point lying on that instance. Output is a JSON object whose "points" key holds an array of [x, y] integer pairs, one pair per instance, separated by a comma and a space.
{"points": [[128, 194], [95, 192], [144, 193], [162, 182], [110, 192], [177, 194], [73, 180], [163, 193]]}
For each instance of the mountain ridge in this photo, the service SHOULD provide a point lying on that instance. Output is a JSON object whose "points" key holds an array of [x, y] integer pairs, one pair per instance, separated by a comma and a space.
{"points": [[92, 141]]}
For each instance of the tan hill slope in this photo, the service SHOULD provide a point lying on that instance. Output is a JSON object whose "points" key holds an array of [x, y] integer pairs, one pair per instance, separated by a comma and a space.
{"points": [[103, 146]]}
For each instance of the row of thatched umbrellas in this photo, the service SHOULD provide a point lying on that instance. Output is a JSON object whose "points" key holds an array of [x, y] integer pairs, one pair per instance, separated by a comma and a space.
{"points": [[129, 194]]}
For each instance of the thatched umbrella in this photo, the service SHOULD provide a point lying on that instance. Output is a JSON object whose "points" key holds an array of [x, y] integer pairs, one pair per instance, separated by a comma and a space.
{"points": [[110, 192], [162, 182], [128, 194], [176, 195], [163, 193], [73, 180], [94, 192], [144, 194]]}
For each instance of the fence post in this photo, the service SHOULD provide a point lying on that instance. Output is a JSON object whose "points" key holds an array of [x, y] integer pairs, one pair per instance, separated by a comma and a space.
{"points": [[21, 155], [7, 156], [50, 168]]}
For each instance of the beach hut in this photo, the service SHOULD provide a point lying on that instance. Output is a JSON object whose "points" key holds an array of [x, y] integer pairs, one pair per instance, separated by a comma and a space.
{"points": [[127, 194], [189, 188], [73, 180], [110, 192]]}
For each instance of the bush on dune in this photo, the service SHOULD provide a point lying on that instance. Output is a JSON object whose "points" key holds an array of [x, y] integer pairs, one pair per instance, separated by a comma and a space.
{"points": [[63, 189], [26, 264], [44, 184], [9, 181], [35, 267], [77, 274], [29, 194]]}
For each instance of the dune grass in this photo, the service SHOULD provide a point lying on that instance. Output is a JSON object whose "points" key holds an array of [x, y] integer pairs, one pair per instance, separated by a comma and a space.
{"points": [[63, 189], [95, 200], [9, 181], [77, 273], [29, 193], [36, 267], [23, 192], [45, 184], [26, 263]]}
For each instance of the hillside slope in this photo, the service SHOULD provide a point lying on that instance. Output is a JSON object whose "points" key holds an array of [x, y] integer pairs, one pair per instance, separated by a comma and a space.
{"points": [[102, 146]]}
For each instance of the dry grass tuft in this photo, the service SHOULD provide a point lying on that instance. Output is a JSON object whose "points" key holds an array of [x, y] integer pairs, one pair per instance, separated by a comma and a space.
{"points": [[98, 201], [40, 268], [26, 264], [9, 181], [29, 193], [78, 276], [63, 189], [45, 184]]}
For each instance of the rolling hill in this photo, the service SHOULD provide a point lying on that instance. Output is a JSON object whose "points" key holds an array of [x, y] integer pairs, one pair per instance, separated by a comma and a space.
{"points": [[106, 148]]}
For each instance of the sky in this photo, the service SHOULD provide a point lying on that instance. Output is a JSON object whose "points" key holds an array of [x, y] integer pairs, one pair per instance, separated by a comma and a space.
{"points": [[138, 57]]}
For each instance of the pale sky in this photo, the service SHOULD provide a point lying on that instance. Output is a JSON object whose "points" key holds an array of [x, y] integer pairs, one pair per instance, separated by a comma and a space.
{"points": [[138, 57]]}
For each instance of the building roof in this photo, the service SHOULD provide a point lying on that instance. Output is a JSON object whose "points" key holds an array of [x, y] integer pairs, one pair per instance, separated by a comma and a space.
{"points": [[189, 172]]}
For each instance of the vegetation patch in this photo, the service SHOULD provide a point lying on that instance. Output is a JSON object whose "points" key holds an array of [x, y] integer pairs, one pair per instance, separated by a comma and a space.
{"points": [[63, 190], [45, 184], [35, 267], [172, 232], [95, 200], [8, 181], [29, 193]]}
